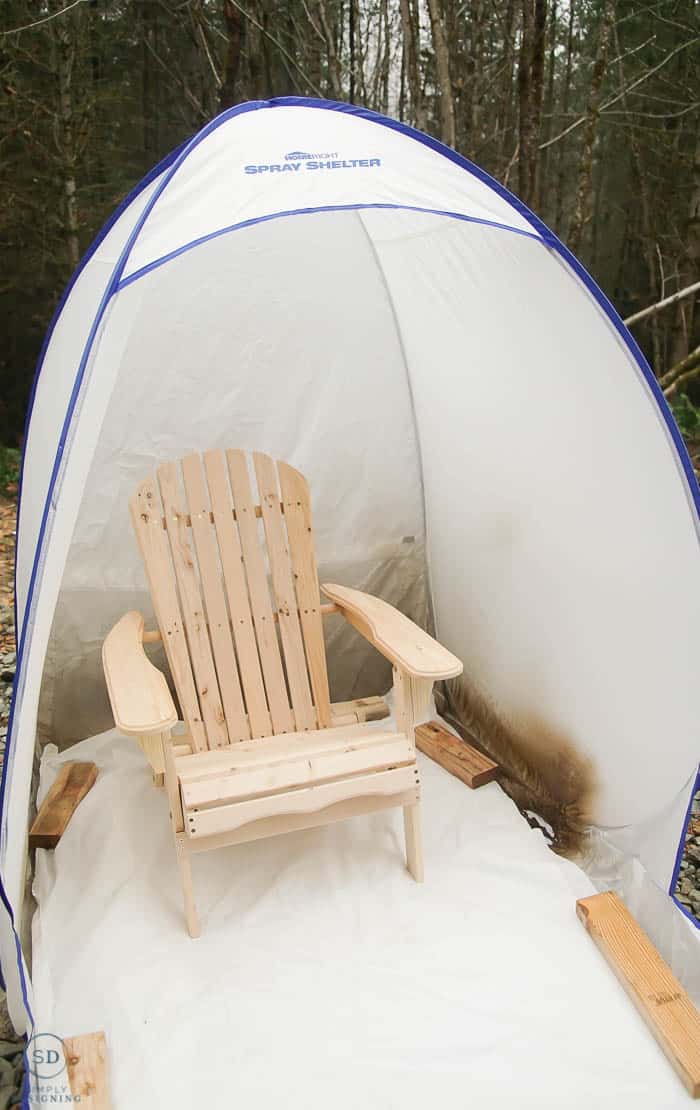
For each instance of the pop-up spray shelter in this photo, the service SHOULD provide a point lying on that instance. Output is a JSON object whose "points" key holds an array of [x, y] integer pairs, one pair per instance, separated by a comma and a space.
{"points": [[481, 434]]}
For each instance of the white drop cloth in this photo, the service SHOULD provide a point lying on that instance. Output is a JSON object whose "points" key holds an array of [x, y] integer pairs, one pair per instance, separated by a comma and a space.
{"points": [[325, 977]]}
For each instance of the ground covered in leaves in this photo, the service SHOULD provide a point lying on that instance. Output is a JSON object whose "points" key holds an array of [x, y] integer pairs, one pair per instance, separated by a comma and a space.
{"points": [[11, 1047]]}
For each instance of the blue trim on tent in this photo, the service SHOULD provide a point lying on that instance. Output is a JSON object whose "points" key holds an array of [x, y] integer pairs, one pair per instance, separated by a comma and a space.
{"points": [[101, 235], [254, 220], [681, 851], [172, 164]]}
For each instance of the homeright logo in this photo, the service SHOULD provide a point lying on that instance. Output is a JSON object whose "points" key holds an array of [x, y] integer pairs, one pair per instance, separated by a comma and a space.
{"points": [[299, 161]]}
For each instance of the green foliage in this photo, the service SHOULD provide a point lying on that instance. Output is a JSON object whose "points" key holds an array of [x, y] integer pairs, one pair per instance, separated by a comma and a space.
{"points": [[9, 470], [687, 416]]}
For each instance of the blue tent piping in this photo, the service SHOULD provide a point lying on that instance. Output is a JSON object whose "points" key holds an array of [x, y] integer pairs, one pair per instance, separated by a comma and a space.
{"points": [[104, 231], [170, 165]]}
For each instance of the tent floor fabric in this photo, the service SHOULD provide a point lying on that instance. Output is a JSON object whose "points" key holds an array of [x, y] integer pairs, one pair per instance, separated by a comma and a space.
{"points": [[325, 976]]}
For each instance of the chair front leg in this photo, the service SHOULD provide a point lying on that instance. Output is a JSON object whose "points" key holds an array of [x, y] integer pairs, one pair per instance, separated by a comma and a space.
{"points": [[182, 848], [151, 745], [412, 701], [412, 708]]}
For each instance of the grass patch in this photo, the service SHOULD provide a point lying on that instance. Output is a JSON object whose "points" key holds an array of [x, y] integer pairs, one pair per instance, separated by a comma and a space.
{"points": [[9, 470]]}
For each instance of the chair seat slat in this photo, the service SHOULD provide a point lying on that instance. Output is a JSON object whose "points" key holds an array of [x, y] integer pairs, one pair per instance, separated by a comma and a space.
{"points": [[220, 789]]}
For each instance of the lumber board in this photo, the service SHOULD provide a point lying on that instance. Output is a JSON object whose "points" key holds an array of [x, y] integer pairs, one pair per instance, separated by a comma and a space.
{"points": [[455, 755], [192, 607], [231, 557], [283, 590], [292, 822], [212, 589], [138, 691], [279, 749], [73, 782], [261, 608], [275, 777], [648, 980], [358, 710], [302, 551], [228, 818], [393, 634], [153, 544], [86, 1062]]}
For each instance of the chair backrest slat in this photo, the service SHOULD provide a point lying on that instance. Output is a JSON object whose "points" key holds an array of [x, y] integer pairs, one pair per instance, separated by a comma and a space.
{"points": [[235, 591], [213, 591], [283, 587], [297, 515], [192, 608], [237, 594], [147, 518], [263, 619]]}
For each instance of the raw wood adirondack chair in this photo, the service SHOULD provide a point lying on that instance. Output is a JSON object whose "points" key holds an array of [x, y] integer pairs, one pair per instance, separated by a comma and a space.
{"points": [[239, 612]]}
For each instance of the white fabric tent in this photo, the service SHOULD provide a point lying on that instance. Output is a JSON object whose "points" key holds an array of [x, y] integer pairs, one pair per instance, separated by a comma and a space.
{"points": [[330, 286]]}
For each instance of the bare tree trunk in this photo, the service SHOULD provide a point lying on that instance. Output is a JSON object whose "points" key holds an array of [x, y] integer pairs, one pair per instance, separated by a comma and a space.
{"points": [[473, 68], [561, 160], [582, 204], [647, 237], [505, 106], [233, 20], [411, 37], [689, 264], [351, 45], [335, 73], [442, 65], [549, 106], [530, 86], [65, 31]]}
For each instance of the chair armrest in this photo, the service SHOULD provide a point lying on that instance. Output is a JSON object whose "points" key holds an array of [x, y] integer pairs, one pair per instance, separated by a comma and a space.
{"points": [[394, 635], [139, 695]]}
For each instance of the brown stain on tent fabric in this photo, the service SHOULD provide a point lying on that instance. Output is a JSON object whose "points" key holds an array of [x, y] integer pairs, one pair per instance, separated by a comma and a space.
{"points": [[540, 768]]}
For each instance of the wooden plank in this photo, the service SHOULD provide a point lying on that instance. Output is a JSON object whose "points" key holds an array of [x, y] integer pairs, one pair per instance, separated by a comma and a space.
{"points": [[394, 635], [224, 818], [291, 822], [145, 508], [359, 709], [297, 515], [214, 599], [237, 593], [278, 749], [86, 1062], [648, 980], [192, 608], [138, 692], [268, 647], [455, 755], [72, 783], [283, 588], [297, 773]]}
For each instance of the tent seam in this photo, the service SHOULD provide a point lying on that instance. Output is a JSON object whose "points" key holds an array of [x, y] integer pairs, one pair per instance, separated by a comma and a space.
{"points": [[412, 402]]}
